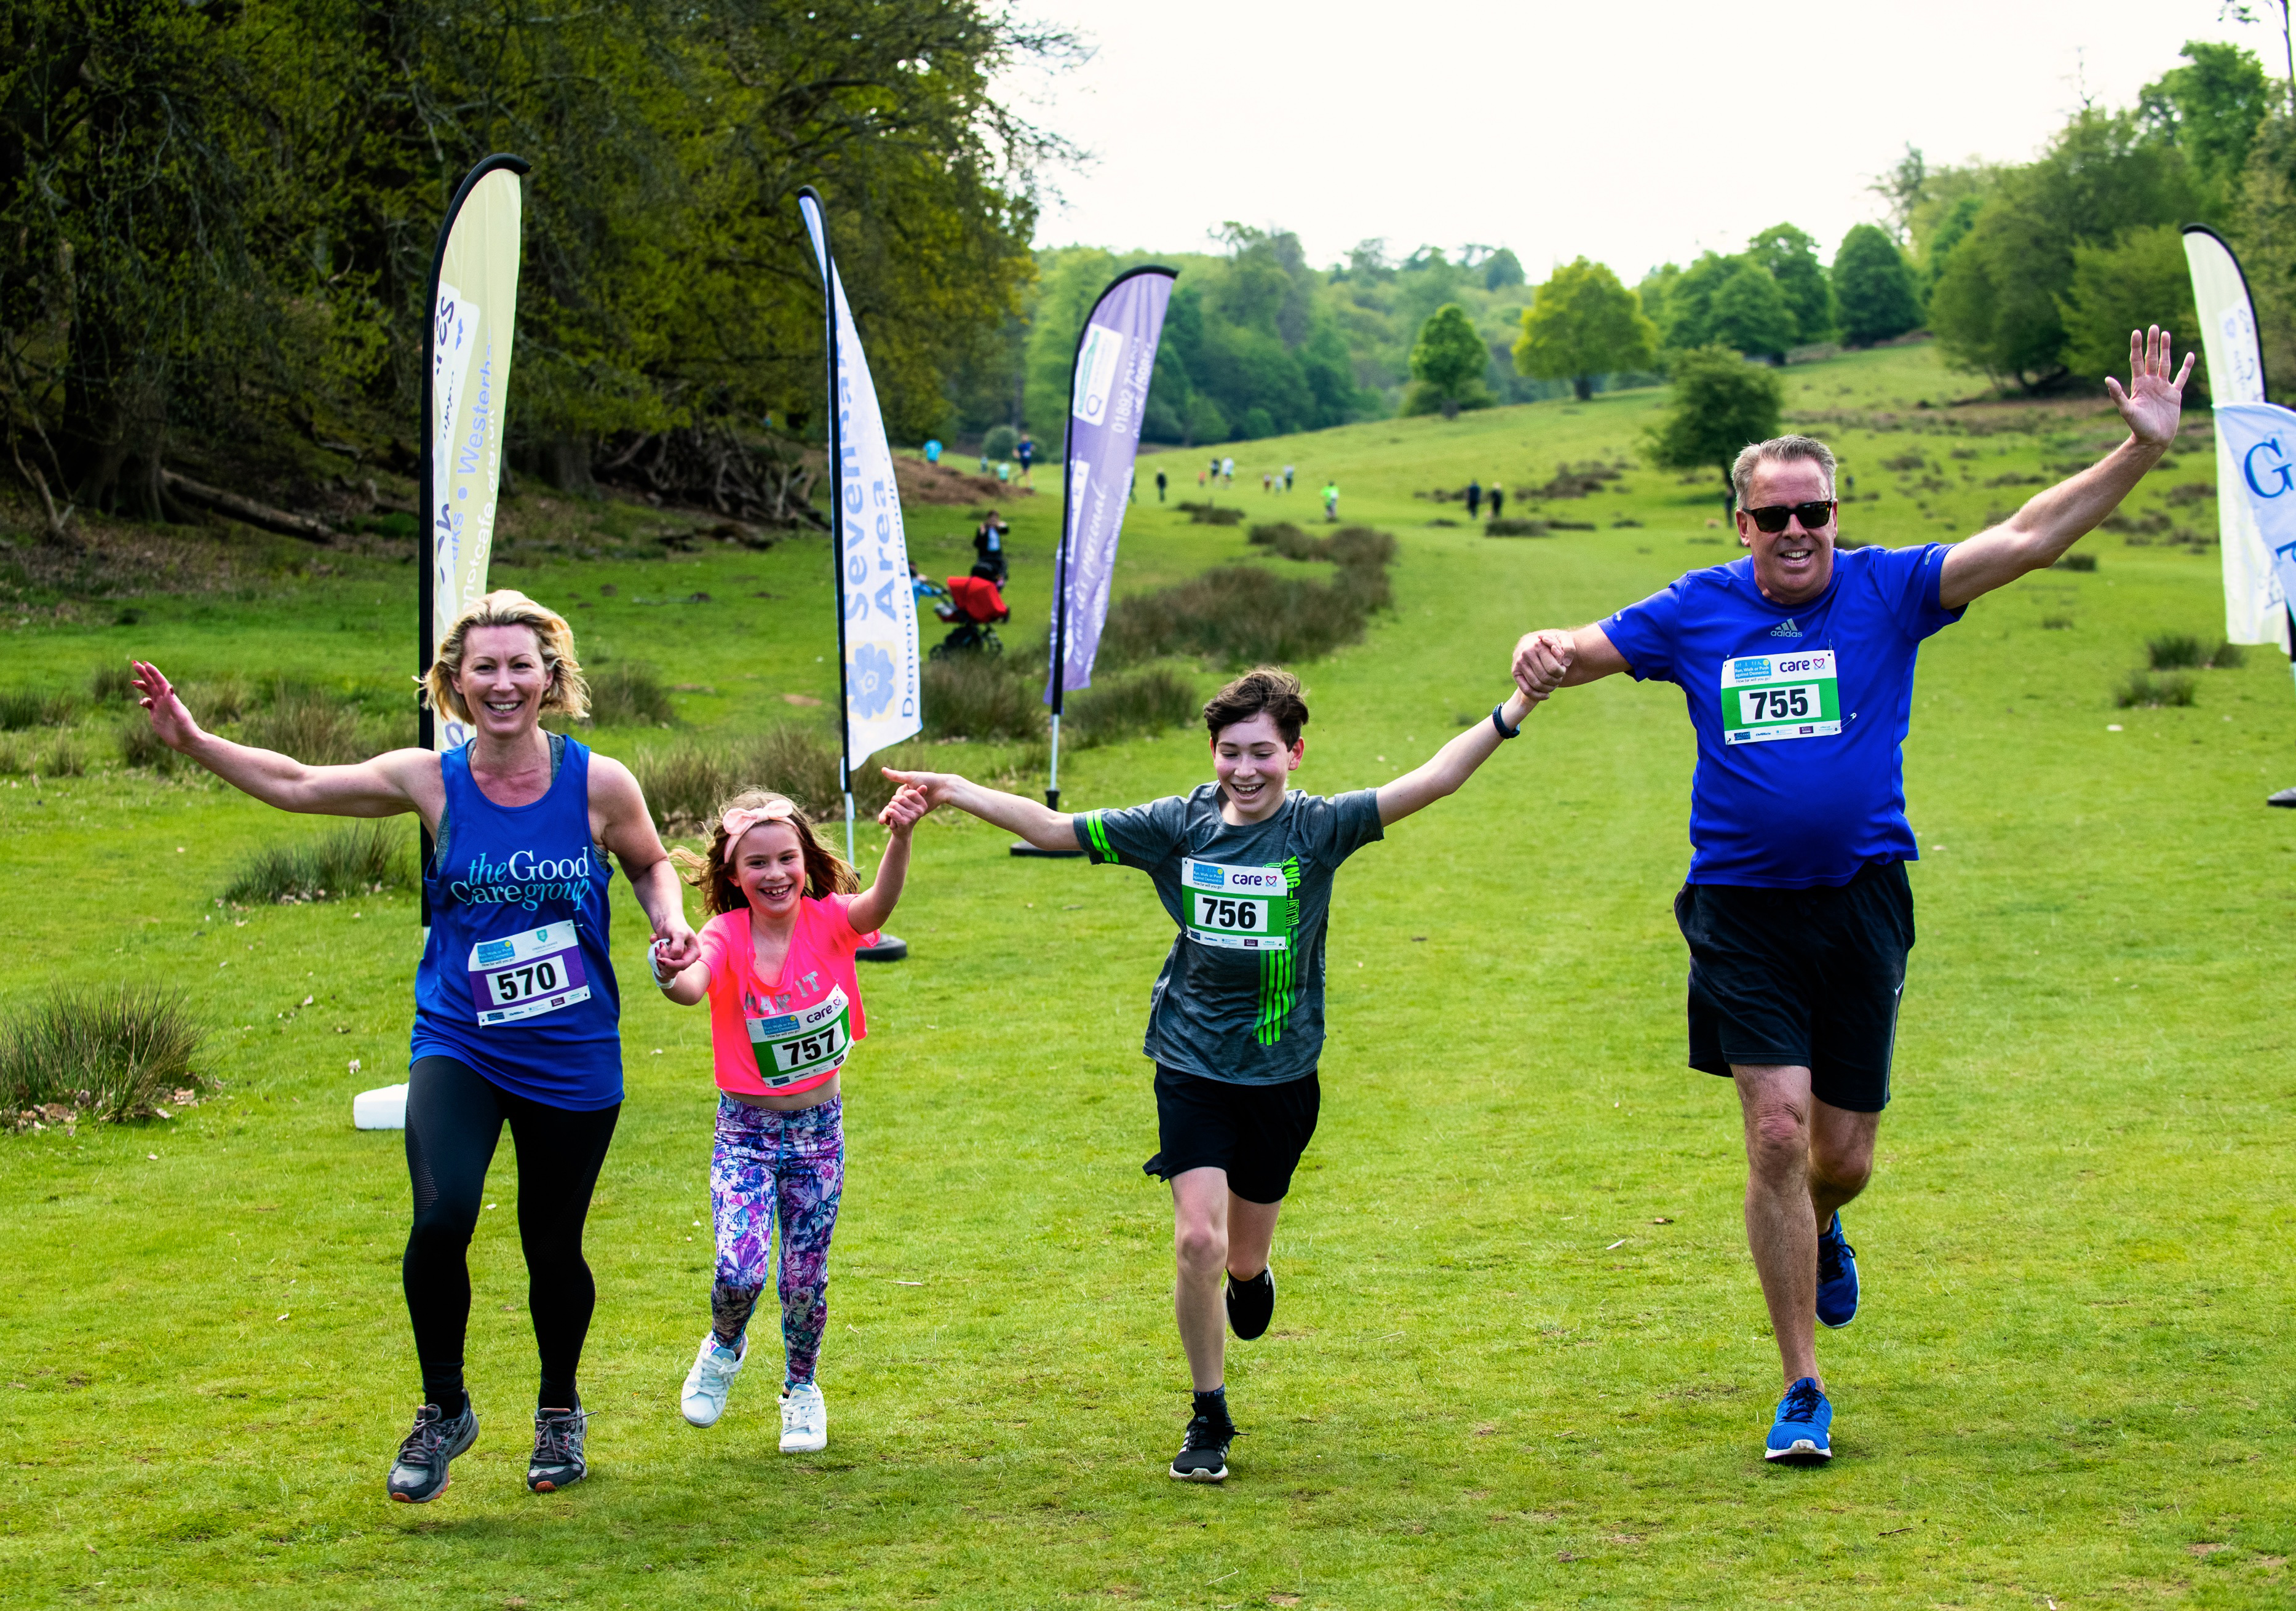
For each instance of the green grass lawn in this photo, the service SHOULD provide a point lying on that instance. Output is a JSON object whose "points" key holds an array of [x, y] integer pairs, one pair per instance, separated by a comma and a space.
{"points": [[1520, 1357]]}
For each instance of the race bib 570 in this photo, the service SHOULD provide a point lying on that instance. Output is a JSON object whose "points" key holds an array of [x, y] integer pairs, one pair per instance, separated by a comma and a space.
{"points": [[526, 975], [1770, 696]]}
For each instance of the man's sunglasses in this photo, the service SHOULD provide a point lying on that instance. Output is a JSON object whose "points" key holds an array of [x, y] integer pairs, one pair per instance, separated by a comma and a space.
{"points": [[1773, 517]]}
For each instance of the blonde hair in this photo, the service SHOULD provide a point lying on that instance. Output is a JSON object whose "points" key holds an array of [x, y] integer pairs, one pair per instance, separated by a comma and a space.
{"points": [[568, 693], [826, 873]]}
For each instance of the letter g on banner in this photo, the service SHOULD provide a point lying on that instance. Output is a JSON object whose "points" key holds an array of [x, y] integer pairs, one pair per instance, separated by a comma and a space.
{"points": [[2276, 469]]}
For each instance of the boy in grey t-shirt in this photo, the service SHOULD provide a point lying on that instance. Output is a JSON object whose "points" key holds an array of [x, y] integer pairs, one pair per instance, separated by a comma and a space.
{"points": [[1235, 1023]]}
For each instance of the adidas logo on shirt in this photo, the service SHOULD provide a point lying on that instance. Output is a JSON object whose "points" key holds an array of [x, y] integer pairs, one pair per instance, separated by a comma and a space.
{"points": [[1786, 629]]}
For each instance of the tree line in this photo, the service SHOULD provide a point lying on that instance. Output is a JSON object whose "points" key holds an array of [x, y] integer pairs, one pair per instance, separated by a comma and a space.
{"points": [[216, 218]]}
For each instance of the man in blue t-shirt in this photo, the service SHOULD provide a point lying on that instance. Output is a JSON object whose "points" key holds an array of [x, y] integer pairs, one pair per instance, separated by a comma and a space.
{"points": [[1797, 664]]}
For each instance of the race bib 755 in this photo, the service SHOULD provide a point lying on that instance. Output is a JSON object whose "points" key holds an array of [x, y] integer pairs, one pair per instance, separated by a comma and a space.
{"points": [[1772, 696]]}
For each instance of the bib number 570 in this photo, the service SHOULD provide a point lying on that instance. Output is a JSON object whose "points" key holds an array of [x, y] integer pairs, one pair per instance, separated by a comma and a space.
{"points": [[516, 983]]}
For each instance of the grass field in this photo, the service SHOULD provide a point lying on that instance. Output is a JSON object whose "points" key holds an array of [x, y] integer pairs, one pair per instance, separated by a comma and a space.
{"points": [[1519, 1358]]}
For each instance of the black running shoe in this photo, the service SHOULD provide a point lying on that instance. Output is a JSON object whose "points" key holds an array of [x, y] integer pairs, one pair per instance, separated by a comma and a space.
{"points": [[419, 1475], [557, 1461], [1250, 1305], [1203, 1453]]}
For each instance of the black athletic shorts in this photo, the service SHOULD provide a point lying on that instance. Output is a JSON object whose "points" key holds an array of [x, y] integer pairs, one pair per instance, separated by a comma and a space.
{"points": [[1255, 1133], [1808, 978]]}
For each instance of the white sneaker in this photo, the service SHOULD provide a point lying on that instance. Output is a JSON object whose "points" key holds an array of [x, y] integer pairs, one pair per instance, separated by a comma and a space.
{"points": [[715, 1367], [805, 1420]]}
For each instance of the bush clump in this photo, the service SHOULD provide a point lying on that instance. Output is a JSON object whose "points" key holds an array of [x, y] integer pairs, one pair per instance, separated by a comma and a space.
{"points": [[629, 696], [685, 783], [22, 708], [358, 858], [1242, 615], [977, 696], [55, 757], [111, 684], [1213, 514], [1507, 525], [2144, 688], [308, 725], [2173, 651], [114, 1054], [1148, 702], [2228, 657], [2076, 562], [139, 746]]}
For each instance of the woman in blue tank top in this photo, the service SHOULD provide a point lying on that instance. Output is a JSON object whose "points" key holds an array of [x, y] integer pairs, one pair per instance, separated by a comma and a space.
{"points": [[517, 1018]]}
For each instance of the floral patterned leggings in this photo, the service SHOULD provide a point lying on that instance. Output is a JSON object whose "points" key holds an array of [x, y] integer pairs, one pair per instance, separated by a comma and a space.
{"points": [[768, 1164]]}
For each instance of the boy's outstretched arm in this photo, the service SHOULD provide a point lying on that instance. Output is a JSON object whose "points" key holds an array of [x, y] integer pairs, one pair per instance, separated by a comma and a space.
{"points": [[1040, 824], [1450, 766]]}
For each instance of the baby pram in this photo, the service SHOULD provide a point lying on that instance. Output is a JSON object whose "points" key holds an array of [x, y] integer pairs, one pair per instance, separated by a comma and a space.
{"points": [[973, 606]]}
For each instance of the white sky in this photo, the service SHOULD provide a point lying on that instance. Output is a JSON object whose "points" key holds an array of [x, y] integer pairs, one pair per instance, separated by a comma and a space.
{"points": [[1632, 133]]}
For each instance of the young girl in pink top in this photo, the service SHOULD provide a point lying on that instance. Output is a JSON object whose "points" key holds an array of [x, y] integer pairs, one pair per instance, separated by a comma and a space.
{"points": [[784, 1009]]}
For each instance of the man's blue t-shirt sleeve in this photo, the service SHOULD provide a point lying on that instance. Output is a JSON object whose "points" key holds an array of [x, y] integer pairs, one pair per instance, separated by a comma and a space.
{"points": [[1908, 580], [1138, 836], [1645, 633]]}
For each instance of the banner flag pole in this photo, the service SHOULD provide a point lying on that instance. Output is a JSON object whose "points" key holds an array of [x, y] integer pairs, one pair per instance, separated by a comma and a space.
{"points": [[1109, 376], [878, 680], [2253, 533], [473, 311]]}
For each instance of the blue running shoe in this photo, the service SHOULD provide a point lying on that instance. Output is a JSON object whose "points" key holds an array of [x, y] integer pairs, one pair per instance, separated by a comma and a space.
{"points": [[1800, 1436], [1837, 1276]]}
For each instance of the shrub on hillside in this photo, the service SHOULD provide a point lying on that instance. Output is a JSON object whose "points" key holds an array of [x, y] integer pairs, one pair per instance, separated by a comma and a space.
{"points": [[1123, 707], [109, 685], [111, 1052], [1238, 616], [685, 784], [629, 696], [1213, 514], [139, 746], [357, 859], [308, 725], [2173, 651], [1509, 526], [2144, 688], [2076, 562], [2228, 657], [979, 696], [22, 708]]}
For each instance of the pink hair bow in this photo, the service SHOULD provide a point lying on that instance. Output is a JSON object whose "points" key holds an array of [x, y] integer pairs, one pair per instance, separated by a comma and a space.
{"points": [[740, 819]]}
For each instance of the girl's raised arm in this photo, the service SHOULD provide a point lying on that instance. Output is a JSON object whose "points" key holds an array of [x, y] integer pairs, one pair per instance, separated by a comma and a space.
{"points": [[874, 905]]}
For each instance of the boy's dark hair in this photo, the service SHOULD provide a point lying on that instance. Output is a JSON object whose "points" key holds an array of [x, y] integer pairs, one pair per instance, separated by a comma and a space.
{"points": [[1263, 689]]}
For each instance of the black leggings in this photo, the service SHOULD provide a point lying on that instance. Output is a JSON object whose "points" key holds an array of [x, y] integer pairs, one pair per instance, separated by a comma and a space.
{"points": [[454, 1119]]}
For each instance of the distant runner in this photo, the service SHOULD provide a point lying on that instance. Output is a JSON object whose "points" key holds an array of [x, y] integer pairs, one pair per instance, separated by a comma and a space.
{"points": [[1331, 500], [1236, 1021], [1797, 664]]}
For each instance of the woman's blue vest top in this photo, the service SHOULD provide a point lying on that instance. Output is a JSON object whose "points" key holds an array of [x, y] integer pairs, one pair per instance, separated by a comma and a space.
{"points": [[517, 980]]}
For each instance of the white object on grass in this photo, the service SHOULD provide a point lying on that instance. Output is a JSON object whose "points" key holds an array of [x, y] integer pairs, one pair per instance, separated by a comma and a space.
{"points": [[382, 1109]]}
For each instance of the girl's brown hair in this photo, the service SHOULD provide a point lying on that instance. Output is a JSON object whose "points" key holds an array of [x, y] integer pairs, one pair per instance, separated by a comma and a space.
{"points": [[826, 873], [568, 693]]}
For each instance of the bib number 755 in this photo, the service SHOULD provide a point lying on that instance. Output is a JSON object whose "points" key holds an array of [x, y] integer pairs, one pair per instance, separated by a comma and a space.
{"points": [[1777, 705]]}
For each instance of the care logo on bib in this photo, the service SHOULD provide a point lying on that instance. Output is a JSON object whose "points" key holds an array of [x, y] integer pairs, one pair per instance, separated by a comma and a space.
{"points": [[801, 1044], [1767, 696], [1241, 909], [526, 975]]}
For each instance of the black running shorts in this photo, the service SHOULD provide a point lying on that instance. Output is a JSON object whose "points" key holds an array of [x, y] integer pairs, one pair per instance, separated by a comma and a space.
{"points": [[1255, 1133], [1808, 978]]}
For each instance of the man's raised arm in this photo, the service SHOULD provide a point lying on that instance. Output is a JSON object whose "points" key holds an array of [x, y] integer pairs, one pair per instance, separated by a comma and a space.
{"points": [[2038, 535], [1551, 658]]}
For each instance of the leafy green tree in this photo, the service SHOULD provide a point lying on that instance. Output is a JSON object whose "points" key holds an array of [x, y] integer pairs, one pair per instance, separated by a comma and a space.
{"points": [[2141, 279], [1996, 307], [1447, 363], [1873, 287], [1690, 301], [2210, 109], [1583, 324], [1720, 403], [1657, 293], [1750, 312], [1501, 269], [1790, 256]]}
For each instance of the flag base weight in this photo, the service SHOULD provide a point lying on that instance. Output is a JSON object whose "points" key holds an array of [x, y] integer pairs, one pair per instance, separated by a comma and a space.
{"points": [[887, 948], [1021, 847], [2285, 797]]}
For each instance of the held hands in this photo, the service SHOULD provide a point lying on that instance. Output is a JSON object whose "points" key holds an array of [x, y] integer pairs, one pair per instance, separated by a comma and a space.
{"points": [[2153, 401], [930, 788], [1541, 661], [171, 723], [909, 805], [675, 948]]}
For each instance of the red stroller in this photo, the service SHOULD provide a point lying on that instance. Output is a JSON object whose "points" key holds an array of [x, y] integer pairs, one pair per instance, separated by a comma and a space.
{"points": [[973, 606]]}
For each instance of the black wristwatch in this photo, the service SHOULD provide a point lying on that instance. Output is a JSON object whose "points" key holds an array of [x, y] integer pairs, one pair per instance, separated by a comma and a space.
{"points": [[1499, 722]]}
